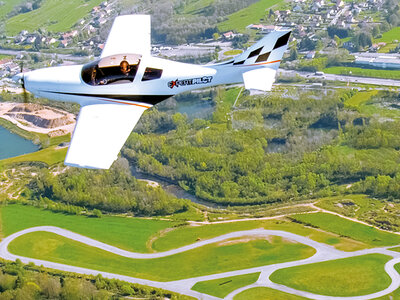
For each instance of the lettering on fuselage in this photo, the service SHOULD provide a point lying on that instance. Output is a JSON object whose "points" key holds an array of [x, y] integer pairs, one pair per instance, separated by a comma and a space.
{"points": [[192, 81]]}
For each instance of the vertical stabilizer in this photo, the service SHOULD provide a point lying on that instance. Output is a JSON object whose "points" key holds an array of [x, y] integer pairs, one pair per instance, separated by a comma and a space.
{"points": [[268, 51]]}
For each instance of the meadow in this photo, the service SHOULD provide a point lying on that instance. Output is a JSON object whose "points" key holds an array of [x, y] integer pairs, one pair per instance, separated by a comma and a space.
{"points": [[224, 286], [123, 232], [53, 15], [209, 259], [249, 15], [355, 71], [266, 293], [360, 98], [353, 230], [346, 277], [49, 156]]}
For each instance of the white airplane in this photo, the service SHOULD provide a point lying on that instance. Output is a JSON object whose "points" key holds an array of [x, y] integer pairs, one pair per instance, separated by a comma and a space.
{"points": [[117, 88]]}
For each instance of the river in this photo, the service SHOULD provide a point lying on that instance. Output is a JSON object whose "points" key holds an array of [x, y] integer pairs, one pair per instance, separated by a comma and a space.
{"points": [[13, 145]]}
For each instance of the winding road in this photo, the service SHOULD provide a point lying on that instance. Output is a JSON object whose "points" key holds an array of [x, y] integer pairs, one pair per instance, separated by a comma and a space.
{"points": [[323, 253]]}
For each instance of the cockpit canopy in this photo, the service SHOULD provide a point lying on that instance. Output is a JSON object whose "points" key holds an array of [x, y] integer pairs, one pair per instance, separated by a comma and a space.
{"points": [[114, 69]]}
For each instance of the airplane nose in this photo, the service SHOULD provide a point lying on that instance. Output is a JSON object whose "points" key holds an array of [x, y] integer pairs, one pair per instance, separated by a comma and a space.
{"points": [[18, 77]]}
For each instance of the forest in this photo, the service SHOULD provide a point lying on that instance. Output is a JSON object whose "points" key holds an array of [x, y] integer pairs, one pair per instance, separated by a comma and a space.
{"points": [[291, 144], [26, 282]]}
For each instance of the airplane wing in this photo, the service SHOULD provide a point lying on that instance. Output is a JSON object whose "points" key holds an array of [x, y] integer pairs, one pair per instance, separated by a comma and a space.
{"points": [[129, 34], [100, 133]]}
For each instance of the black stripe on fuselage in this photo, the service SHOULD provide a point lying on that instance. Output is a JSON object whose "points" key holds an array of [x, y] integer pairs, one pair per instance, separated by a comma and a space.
{"points": [[149, 99]]}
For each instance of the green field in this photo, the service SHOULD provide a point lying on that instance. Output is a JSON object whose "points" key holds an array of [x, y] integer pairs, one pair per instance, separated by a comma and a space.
{"points": [[264, 293], [54, 15], [360, 98], [353, 230], [389, 36], [249, 15], [394, 295], [390, 74], [346, 277], [49, 156], [8, 6], [196, 6], [127, 233], [224, 286], [233, 52], [209, 259]]}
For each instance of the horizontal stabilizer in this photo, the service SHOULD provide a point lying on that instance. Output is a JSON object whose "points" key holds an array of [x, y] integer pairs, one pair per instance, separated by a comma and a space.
{"points": [[259, 79]]}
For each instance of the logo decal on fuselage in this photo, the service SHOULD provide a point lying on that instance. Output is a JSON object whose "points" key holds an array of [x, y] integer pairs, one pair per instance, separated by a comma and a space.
{"points": [[192, 81]]}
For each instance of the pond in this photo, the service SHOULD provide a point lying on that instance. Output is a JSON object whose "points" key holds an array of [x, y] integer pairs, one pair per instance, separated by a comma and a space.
{"points": [[13, 145]]}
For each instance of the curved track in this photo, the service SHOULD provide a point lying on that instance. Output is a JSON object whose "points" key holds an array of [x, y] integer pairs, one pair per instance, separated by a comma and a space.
{"points": [[323, 253]]}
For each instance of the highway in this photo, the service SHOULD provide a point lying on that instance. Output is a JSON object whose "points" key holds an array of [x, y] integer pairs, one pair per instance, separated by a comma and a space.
{"points": [[323, 253], [343, 78]]}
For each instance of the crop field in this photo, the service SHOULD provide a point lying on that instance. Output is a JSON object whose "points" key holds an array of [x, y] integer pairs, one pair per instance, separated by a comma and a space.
{"points": [[266, 293], [53, 15], [346, 277], [223, 286], [353, 230], [126, 233], [209, 259], [390, 74], [251, 14]]}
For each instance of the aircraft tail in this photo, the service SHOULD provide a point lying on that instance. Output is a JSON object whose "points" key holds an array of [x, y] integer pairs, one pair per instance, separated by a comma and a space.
{"points": [[265, 56]]}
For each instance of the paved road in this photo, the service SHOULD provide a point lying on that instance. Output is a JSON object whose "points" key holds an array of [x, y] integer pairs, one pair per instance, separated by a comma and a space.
{"points": [[352, 79], [323, 253]]}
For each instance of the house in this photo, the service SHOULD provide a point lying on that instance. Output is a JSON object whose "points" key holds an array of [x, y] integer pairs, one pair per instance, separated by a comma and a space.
{"points": [[228, 35]]}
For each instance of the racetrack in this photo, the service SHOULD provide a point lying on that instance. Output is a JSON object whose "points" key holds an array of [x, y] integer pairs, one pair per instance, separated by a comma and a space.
{"points": [[323, 253]]}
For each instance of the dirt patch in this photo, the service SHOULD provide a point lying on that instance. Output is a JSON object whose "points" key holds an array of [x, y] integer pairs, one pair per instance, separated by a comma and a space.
{"points": [[38, 118], [245, 239], [149, 244]]}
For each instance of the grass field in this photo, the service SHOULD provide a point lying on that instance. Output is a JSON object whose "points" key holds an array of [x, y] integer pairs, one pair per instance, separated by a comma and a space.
{"points": [[8, 6], [266, 294], [249, 15], [394, 295], [195, 6], [209, 259], [346, 277], [360, 98], [233, 52], [224, 286], [49, 156], [389, 36], [186, 235], [390, 74], [53, 15], [353, 230], [127, 233]]}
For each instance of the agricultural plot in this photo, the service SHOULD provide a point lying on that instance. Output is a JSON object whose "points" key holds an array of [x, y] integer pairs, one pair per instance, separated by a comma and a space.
{"points": [[53, 15], [251, 14], [346, 277], [209, 259]]}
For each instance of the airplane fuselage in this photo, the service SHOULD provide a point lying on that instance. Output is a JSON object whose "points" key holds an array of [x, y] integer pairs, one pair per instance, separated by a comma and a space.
{"points": [[66, 83]]}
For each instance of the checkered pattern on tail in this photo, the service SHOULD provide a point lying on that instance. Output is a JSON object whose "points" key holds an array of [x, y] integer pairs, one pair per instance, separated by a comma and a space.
{"points": [[268, 51]]}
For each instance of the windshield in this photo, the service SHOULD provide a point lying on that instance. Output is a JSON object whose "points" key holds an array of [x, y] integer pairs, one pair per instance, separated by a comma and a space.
{"points": [[115, 69]]}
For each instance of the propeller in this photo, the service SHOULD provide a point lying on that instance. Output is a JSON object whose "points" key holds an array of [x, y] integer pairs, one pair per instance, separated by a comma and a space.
{"points": [[21, 79]]}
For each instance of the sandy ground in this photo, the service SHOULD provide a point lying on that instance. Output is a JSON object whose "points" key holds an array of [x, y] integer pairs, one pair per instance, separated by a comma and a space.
{"points": [[44, 113]]}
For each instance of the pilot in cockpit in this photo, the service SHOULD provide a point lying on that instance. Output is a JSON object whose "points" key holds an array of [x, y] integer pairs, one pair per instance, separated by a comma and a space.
{"points": [[125, 68]]}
